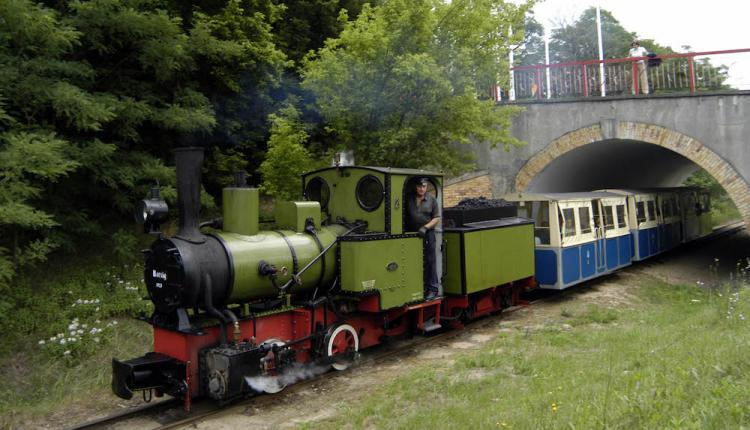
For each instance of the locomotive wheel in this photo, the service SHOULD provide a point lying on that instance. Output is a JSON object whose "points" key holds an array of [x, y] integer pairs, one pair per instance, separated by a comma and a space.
{"points": [[341, 341], [272, 384]]}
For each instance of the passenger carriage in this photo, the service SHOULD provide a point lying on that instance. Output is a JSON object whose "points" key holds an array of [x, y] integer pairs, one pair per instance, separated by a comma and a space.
{"points": [[578, 236], [670, 219], [644, 222], [695, 212]]}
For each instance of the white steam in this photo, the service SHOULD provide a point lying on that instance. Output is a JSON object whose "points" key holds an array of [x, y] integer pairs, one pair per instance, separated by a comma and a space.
{"points": [[293, 373]]}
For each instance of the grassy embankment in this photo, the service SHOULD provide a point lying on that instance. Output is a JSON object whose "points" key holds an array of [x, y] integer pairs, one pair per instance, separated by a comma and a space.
{"points": [[677, 358], [62, 325]]}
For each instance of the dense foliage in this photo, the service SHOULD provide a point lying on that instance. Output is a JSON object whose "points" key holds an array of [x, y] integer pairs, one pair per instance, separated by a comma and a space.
{"points": [[405, 81], [95, 95]]}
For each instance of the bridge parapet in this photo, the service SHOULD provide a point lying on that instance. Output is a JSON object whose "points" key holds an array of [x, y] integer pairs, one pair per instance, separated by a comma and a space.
{"points": [[691, 72]]}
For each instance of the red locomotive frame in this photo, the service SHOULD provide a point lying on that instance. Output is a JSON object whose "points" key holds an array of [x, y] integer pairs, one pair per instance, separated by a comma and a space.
{"points": [[299, 328]]}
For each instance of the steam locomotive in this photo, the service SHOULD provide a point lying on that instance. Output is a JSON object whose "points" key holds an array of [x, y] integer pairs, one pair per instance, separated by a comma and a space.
{"points": [[234, 305]]}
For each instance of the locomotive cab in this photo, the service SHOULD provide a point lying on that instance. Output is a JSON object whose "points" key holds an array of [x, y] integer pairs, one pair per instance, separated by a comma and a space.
{"points": [[381, 267]]}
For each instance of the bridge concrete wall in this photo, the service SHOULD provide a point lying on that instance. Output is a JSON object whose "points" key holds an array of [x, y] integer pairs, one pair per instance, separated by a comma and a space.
{"points": [[712, 131]]}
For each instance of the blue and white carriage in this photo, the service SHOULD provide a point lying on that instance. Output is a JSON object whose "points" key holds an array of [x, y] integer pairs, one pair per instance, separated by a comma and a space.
{"points": [[579, 236], [643, 221]]}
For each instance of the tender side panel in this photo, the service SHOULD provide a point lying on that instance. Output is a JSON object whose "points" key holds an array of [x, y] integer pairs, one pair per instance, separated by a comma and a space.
{"points": [[493, 256], [453, 263]]}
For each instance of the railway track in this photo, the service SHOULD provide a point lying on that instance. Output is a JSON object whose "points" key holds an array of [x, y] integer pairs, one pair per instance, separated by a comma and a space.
{"points": [[169, 414]]}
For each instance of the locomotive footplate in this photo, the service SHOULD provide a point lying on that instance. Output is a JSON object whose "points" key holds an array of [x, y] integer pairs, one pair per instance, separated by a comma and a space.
{"points": [[153, 371]]}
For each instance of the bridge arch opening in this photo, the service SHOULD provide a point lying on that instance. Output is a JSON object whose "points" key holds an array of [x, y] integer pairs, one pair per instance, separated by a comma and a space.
{"points": [[640, 156]]}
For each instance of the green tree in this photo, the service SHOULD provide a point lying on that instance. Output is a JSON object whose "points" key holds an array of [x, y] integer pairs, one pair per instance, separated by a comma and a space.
{"points": [[531, 51], [104, 89], [36, 83], [287, 158], [307, 24], [405, 81], [578, 41]]}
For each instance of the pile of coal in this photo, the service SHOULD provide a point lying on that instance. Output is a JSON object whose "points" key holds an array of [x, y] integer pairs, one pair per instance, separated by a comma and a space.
{"points": [[476, 209], [482, 202]]}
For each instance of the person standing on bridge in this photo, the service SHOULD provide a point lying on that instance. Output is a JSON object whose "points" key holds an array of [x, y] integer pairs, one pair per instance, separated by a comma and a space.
{"points": [[636, 50]]}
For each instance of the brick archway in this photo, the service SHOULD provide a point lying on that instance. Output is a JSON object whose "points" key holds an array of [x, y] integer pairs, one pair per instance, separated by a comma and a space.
{"points": [[693, 150]]}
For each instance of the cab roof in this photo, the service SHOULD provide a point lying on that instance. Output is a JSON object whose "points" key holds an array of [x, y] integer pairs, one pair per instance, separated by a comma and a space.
{"points": [[384, 170], [515, 197]]}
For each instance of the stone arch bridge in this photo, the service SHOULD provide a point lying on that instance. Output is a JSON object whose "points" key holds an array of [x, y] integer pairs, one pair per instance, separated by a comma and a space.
{"points": [[634, 142]]}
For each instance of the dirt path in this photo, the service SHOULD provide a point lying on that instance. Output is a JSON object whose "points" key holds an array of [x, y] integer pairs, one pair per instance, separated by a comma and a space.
{"points": [[700, 262]]}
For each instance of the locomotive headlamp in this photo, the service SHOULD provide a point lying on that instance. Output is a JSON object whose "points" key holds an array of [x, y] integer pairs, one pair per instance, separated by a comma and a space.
{"points": [[152, 212]]}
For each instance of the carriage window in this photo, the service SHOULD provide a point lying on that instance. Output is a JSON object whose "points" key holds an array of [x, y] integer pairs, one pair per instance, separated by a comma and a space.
{"points": [[640, 212], [609, 219], [595, 212], [317, 191], [369, 193], [541, 221], [570, 222], [650, 206], [539, 212], [621, 216], [585, 220]]}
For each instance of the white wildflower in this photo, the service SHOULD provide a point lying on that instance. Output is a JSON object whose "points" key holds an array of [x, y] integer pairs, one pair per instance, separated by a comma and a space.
{"points": [[66, 353], [42, 342], [63, 341], [96, 339]]}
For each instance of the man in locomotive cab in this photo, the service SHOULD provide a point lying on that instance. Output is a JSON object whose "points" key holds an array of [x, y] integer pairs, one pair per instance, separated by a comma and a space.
{"points": [[423, 215]]}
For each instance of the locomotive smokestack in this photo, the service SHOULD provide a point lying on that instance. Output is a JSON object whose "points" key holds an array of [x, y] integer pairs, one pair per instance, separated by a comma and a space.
{"points": [[189, 161]]}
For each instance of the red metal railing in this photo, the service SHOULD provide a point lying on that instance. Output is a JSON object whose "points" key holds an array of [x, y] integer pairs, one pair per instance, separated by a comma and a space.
{"points": [[690, 72]]}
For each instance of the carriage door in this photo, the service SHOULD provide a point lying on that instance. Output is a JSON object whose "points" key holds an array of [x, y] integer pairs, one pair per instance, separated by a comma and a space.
{"points": [[601, 248]]}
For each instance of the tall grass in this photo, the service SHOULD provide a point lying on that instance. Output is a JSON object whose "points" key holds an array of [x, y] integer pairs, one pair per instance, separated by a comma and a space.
{"points": [[62, 326], [676, 360]]}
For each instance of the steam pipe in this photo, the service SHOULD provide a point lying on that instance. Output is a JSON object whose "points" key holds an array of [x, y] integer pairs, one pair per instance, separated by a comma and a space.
{"points": [[231, 317], [209, 304]]}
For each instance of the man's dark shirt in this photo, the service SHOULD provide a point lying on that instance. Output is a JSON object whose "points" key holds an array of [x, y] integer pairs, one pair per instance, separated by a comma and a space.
{"points": [[416, 217]]}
